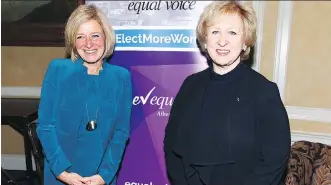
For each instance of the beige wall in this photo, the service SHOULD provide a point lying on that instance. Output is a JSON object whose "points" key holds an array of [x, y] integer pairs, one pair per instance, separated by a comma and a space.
{"points": [[28, 63], [309, 61], [23, 66], [269, 39], [308, 66], [11, 141]]}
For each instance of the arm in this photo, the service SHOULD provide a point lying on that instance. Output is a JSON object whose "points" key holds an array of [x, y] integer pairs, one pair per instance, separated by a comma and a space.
{"points": [[173, 162], [113, 156], [46, 123], [274, 138]]}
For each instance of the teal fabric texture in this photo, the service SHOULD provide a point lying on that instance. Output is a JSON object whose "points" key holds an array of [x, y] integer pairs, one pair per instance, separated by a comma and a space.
{"points": [[70, 98]]}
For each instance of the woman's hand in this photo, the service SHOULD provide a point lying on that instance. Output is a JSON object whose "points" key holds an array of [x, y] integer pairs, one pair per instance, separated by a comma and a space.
{"points": [[71, 178], [94, 180]]}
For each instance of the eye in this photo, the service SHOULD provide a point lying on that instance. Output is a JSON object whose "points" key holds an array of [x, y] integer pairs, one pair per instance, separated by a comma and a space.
{"points": [[79, 37], [215, 32], [232, 33], [95, 36]]}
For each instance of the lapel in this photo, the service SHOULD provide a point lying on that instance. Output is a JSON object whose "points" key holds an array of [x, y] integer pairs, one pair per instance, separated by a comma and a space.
{"points": [[190, 110], [196, 96]]}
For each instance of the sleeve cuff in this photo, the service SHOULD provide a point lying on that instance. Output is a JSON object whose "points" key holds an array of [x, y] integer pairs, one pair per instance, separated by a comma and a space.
{"points": [[60, 164], [107, 176]]}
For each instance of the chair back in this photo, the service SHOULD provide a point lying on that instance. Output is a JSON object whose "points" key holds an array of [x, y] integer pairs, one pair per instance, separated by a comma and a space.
{"points": [[309, 164], [37, 149]]}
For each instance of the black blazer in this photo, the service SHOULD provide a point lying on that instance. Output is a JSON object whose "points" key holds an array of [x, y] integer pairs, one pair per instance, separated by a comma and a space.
{"points": [[259, 129]]}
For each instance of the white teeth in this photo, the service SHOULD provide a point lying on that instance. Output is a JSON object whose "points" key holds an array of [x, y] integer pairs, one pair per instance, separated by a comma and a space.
{"points": [[90, 51], [222, 52]]}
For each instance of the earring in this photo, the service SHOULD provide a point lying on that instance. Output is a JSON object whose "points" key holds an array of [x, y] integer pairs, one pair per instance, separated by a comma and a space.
{"points": [[205, 46]]}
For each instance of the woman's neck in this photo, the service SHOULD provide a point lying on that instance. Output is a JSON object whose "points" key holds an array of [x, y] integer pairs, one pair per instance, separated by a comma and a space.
{"points": [[225, 69], [94, 68]]}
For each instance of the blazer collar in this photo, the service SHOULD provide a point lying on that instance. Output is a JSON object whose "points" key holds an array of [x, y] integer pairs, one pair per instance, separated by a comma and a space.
{"points": [[80, 67]]}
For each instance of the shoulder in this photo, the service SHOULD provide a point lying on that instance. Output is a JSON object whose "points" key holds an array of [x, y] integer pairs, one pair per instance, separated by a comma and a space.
{"points": [[118, 69], [118, 72], [60, 62], [260, 84], [200, 75], [58, 65], [195, 78]]}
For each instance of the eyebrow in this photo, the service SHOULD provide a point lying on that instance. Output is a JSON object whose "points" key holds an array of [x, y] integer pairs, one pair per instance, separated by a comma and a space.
{"points": [[91, 33], [230, 28]]}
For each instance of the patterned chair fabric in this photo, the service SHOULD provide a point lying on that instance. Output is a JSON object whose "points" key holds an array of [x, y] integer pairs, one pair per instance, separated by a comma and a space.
{"points": [[309, 164]]}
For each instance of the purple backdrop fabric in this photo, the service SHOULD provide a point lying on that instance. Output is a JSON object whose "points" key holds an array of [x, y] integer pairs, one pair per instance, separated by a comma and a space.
{"points": [[156, 78]]}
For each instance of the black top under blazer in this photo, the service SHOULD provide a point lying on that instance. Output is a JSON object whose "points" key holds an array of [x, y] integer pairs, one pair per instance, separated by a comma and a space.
{"points": [[254, 143]]}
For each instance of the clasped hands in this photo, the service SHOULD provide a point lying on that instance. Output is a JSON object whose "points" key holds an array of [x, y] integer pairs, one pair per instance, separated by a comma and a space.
{"points": [[75, 179]]}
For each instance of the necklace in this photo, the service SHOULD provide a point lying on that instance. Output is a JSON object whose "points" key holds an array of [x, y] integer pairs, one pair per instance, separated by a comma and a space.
{"points": [[91, 124]]}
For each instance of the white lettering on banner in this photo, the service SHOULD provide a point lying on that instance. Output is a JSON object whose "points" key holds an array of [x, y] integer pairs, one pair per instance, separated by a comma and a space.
{"points": [[162, 113], [147, 38], [150, 38], [180, 38], [161, 101], [137, 183]]}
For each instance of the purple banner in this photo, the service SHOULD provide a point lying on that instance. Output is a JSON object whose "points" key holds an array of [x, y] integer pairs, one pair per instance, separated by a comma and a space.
{"points": [[156, 42], [156, 77]]}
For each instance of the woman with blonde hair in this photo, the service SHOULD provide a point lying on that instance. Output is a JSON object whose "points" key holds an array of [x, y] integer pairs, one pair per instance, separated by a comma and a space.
{"points": [[228, 125], [85, 107]]}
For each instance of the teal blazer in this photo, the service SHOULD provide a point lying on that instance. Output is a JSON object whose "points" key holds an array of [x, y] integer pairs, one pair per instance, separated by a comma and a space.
{"points": [[67, 94]]}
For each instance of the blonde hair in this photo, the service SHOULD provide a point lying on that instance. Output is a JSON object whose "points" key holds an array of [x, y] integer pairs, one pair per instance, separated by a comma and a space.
{"points": [[246, 13], [79, 16]]}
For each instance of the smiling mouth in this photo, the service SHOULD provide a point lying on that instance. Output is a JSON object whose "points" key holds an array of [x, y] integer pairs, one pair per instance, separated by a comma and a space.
{"points": [[222, 52], [90, 51]]}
